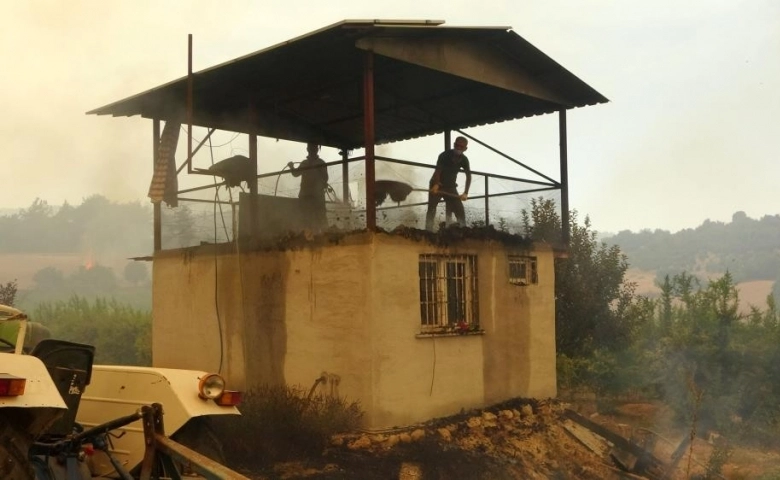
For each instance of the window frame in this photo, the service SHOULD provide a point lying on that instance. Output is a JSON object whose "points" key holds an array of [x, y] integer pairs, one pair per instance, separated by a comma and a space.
{"points": [[449, 294], [523, 270]]}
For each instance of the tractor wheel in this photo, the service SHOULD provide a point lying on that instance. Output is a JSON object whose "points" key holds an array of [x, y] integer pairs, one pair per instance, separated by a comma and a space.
{"points": [[14, 446], [198, 434]]}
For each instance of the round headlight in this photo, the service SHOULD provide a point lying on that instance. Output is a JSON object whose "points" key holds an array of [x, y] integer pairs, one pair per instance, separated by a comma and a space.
{"points": [[211, 386]]}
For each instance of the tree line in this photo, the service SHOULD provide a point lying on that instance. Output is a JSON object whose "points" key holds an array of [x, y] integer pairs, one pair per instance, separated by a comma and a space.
{"points": [[747, 248], [690, 348], [102, 226]]}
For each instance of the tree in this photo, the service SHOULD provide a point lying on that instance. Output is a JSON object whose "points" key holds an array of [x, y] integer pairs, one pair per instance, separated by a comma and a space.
{"points": [[592, 297], [95, 280], [136, 273], [49, 278]]}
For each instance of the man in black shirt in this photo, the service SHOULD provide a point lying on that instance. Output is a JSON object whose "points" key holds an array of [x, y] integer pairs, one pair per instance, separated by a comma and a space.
{"points": [[444, 184]]}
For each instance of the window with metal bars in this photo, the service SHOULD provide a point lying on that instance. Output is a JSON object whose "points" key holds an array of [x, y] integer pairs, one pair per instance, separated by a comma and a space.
{"points": [[522, 270], [448, 293]]}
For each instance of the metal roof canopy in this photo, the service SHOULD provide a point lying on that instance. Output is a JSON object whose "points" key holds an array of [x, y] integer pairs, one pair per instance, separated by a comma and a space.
{"points": [[428, 78]]}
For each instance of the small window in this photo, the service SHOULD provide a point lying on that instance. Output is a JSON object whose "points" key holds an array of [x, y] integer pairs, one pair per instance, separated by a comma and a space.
{"points": [[448, 293], [522, 270]]}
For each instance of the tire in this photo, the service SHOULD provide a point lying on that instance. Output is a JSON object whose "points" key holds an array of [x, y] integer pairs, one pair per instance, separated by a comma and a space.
{"points": [[198, 434], [14, 447]]}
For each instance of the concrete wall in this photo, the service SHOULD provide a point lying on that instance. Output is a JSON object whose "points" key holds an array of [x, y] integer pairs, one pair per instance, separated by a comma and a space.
{"points": [[352, 310]]}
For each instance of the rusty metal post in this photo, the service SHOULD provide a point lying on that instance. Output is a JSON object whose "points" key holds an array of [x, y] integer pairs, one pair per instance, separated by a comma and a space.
{"points": [[148, 463], [157, 206], [487, 202], [564, 177], [189, 103], [345, 176], [368, 139]]}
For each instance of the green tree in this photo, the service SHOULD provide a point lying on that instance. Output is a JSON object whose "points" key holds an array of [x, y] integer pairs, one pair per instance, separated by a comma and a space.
{"points": [[121, 334], [592, 296], [8, 293]]}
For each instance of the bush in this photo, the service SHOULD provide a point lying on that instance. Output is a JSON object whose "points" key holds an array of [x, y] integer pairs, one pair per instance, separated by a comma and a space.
{"points": [[280, 423]]}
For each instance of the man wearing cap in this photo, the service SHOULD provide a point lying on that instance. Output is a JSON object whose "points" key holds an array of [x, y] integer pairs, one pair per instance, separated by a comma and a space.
{"points": [[443, 184]]}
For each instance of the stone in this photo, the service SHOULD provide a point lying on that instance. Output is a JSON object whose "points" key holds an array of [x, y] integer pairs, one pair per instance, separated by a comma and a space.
{"points": [[392, 441], [418, 434], [361, 443], [489, 416], [445, 434]]}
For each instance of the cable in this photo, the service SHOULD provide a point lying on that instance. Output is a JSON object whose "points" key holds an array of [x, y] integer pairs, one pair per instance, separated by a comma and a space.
{"points": [[216, 263], [215, 146], [216, 285], [280, 176], [433, 369]]}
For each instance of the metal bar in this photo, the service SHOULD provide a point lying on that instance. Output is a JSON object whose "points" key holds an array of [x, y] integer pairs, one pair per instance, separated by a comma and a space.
{"points": [[204, 187], [202, 465], [189, 103], [368, 138], [345, 176], [447, 139], [473, 172], [564, 177], [506, 156], [327, 164], [189, 159], [503, 194], [487, 202], [147, 464], [200, 200], [157, 207]]}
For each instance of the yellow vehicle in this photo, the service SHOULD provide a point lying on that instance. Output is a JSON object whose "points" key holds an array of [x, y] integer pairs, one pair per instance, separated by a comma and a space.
{"points": [[61, 417]]}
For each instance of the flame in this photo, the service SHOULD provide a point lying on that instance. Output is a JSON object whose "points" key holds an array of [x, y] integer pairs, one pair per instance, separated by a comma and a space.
{"points": [[89, 263]]}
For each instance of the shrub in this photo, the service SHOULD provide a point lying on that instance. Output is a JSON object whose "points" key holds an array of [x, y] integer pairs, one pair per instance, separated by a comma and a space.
{"points": [[280, 423]]}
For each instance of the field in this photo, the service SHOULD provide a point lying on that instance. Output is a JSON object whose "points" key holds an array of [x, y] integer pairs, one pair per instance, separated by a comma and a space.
{"points": [[750, 293]]}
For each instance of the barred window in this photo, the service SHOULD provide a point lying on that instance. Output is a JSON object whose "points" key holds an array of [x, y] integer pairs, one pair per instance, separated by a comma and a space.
{"points": [[522, 270], [448, 293]]}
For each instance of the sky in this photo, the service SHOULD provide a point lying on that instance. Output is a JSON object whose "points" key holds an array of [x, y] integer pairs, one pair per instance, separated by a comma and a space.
{"points": [[690, 132]]}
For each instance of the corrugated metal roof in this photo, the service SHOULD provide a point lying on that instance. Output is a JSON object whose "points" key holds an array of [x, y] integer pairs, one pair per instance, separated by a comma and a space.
{"points": [[428, 78]]}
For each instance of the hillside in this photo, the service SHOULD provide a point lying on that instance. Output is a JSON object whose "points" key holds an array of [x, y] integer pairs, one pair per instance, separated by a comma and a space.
{"points": [[748, 249]]}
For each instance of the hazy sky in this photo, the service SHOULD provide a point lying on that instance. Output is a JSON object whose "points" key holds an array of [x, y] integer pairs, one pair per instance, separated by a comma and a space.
{"points": [[690, 133]]}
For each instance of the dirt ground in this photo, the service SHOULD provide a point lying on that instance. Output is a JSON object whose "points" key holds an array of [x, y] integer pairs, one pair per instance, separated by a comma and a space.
{"points": [[521, 439]]}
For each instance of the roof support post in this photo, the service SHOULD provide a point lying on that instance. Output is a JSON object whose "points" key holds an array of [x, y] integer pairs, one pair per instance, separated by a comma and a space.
{"points": [[447, 139], [253, 222], [189, 103], [368, 138], [345, 176], [487, 201], [564, 176], [157, 206]]}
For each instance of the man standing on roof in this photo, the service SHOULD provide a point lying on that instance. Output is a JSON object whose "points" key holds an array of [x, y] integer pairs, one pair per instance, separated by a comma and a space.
{"points": [[443, 184], [314, 181]]}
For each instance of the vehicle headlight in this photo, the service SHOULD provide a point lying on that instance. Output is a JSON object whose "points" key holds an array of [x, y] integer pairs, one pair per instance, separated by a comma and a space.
{"points": [[211, 386]]}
